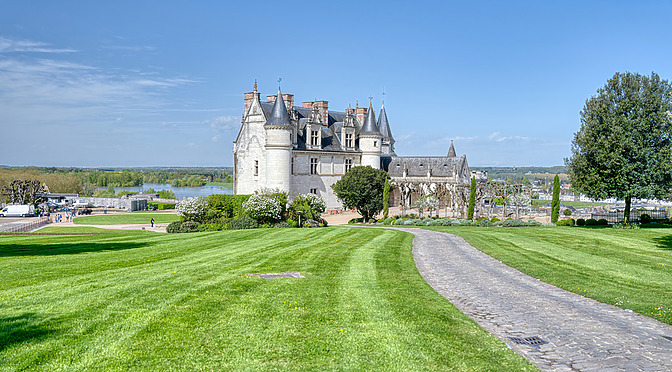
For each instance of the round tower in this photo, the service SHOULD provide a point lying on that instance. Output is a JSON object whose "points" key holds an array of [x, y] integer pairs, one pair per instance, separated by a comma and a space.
{"points": [[278, 146], [370, 141]]}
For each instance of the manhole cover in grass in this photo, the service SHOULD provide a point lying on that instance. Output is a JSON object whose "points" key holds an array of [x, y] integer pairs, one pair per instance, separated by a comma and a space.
{"points": [[532, 341], [290, 274]]}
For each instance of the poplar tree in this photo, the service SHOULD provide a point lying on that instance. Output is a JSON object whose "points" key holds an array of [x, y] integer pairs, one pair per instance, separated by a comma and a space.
{"points": [[555, 202], [472, 199], [386, 199]]}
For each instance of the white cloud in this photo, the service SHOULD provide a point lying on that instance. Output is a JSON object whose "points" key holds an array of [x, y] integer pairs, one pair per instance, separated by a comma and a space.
{"points": [[497, 137], [405, 137], [9, 46], [225, 123], [216, 138]]}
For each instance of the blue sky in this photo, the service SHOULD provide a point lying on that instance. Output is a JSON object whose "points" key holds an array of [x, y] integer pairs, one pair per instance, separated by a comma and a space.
{"points": [[161, 83]]}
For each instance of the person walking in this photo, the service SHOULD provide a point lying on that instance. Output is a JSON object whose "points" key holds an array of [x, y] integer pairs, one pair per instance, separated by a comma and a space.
{"points": [[152, 221]]}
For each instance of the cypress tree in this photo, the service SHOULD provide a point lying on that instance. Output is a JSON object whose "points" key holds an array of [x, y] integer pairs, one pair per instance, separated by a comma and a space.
{"points": [[386, 199], [555, 202], [472, 199]]}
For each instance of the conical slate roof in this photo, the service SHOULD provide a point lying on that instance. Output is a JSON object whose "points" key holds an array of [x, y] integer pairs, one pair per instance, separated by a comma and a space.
{"points": [[384, 126], [451, 150], [279, 115], [370, 127]]}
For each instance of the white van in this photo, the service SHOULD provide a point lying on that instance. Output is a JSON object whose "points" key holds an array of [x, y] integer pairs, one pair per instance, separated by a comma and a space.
{"points": [[18, 211]]}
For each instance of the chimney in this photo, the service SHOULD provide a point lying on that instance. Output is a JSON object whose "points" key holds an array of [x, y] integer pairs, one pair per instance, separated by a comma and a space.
{"points": [[307, 104], [249, 97], [323, 107], [289, 101], [361, 115], [270, 99]]}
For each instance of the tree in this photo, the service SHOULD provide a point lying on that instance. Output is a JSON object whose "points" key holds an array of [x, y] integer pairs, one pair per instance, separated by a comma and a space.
{"points": [[386, 198], [24, 192], [555, 202], [472, 199], [624, 146], [362, 188]]}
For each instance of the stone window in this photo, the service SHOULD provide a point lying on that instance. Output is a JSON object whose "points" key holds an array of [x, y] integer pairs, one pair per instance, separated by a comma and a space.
{"points": [[256, 167], [348, 140], [313, 191], [375, 143], [313, 165], [314, 138], [348, 164]]}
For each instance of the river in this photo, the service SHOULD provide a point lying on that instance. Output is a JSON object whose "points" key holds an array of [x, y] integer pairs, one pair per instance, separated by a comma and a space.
{"points": [[180, 192]]}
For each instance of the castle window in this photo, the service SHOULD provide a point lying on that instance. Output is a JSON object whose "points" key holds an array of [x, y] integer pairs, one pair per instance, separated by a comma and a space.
{"points": [[313, 191], [348, 164], [348, 140], [292, 170], [256, 167], [375, 143], [314, 139], [313, 165]]}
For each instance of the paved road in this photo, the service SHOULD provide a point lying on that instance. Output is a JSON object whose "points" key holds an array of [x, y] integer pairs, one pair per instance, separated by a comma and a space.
{"points": [[555, 329]]}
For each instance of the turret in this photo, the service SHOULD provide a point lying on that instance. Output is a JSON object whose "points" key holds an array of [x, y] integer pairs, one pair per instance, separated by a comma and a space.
{"points": [[370, 140], [451, 150], [387, 147], [278, 146]]}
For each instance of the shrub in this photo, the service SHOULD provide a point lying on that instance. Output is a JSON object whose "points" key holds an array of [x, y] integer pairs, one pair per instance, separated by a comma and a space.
{"points": [[356, 220], [173, 227], [567, 212], [549, 224], [580, 222], [192, 209], [264, 208], [591, 222], [399, 221], [166, 194], [211, 227], [243, 223], [282, 225], [229, 206], [514, 223], [484, 222], [446, 222], [602, 222], [311, 206], [567, 222], [163, 206], [625, 226], [644, 218], [311, 223], [494, 219], [388, 221], [533, 223], [189, 226]]}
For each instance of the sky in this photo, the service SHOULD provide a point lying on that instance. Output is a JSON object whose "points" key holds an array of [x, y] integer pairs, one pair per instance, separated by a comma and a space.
{"points": [[161, 83]]}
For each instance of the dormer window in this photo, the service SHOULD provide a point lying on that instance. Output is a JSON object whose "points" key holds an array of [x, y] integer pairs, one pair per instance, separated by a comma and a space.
{"points": [[314, 138], [348, 140]]}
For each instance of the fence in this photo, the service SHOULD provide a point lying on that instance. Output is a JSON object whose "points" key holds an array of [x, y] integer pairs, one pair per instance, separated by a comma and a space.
{"points": [[33, 224], [617, 216]]}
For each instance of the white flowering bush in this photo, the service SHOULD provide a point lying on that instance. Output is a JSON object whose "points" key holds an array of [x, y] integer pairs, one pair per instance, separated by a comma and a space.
{"points": [[311, 205], [192, 209], [263, 208]]}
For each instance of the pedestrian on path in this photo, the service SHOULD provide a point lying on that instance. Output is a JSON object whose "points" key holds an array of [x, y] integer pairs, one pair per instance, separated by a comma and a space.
{"points": [[152, 221]]}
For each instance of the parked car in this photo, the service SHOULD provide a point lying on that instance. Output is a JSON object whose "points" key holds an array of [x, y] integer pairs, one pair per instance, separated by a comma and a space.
{"points": [[21, 210], [86, 211]]}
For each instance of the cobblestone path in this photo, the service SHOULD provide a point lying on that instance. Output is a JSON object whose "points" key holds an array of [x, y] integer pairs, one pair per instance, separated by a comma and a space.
{"points": [[555, 329]]}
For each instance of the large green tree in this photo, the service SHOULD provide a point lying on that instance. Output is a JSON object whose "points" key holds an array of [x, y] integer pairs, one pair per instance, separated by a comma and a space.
{"points": [[624, 146], [362, 188]]}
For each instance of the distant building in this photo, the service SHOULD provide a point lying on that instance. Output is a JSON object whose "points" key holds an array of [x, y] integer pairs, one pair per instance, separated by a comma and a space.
{"points": [[306, 149]]}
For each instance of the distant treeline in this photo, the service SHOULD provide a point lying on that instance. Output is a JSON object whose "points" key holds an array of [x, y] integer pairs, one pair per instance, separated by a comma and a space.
{"points": [[518, 173], [83, 181]]}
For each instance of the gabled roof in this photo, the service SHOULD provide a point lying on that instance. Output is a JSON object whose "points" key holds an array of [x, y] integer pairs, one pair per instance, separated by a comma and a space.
{"points": [[418, 166], [370, 127], [384, 126], [279, 116]]}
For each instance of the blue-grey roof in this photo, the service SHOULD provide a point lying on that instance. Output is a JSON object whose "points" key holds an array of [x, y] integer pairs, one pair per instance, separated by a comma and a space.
{"points": [[279, 116], [418, 166], [384, 126], [451, 150], [370, 127]]}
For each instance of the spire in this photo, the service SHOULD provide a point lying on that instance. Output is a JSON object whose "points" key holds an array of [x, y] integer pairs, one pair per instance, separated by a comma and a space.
{"points": [[451, 150], [370, 126], [279, 115], [384, 125], [255, 85]]}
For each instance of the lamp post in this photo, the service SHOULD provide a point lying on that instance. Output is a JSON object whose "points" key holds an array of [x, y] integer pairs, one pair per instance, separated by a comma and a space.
{"points": [[299, 213]]}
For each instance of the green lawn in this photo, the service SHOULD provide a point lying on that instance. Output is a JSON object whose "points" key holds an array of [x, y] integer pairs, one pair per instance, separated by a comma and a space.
{"points": [[631, 269], [131, 218], [228, 185], [149, 301]]}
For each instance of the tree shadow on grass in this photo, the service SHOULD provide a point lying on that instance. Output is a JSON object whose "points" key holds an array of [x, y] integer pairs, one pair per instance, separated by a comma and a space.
{"points": [[664, 242], [16, 250], [22, 328]]}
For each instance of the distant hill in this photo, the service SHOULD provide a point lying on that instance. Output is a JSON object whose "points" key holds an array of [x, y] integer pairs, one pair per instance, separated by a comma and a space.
{"points": [[524, 172]]}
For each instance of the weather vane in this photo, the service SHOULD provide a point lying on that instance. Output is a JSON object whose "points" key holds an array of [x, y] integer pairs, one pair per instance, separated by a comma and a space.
{"points": [[279, 80], [370, 99]]}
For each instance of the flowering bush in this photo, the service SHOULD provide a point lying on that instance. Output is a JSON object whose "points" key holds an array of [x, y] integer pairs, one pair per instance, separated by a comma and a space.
{"points": [[263, 208], [192, 209], [311, 207]]}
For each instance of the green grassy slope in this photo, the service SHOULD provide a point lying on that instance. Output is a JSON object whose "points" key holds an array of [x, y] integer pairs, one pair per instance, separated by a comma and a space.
{"points": [[131, 218], [187, 302], [631, 269]]}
